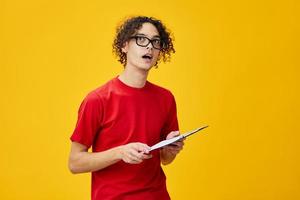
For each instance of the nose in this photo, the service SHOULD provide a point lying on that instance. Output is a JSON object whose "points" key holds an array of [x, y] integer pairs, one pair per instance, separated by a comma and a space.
{"points": [[148, 46]]}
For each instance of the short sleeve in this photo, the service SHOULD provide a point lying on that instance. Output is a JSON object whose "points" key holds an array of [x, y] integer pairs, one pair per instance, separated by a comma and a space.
{"points": [[89, 120], [171, 123]]}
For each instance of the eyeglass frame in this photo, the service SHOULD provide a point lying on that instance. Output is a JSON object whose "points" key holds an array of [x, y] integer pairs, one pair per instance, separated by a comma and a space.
{"points": [[149, 41]]}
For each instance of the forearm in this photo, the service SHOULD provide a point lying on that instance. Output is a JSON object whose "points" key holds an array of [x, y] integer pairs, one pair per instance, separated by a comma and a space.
{"points": [[81, 162]]}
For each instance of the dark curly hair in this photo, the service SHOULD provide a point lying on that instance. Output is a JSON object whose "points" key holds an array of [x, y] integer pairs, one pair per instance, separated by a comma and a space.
{"points": [[131, 26]]}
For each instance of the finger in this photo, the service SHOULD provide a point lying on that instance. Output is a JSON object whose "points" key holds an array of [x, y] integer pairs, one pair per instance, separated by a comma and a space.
{"points": [[146, 156], [172, 134], [175, 133], [171, 149], [131, 155], [172, 152], [134, 160], [179, 143], [174, 148], [136, 155], [130, 160], [142, 147], [176, 144]]}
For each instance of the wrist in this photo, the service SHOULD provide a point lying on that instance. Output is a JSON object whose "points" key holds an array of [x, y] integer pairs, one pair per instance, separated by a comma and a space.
{"points": [[118, 152]]}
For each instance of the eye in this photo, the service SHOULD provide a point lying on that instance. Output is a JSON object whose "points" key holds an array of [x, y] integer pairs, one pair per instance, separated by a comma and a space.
{"points": [[140, 39], [156, 41]]}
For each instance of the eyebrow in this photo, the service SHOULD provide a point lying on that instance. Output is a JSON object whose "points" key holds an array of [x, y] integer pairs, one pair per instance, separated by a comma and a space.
{"points": [[142, 34]]}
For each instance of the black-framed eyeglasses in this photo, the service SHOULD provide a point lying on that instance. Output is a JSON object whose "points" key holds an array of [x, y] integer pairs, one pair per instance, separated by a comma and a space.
{"points": [[143, 41]]}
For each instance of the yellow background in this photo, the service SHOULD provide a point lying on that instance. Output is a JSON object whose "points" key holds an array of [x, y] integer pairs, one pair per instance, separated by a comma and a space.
{"points": [[236, 69]]}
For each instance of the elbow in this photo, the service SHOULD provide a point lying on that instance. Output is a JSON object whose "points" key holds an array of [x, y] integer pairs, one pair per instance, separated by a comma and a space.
{"points": [[76, 162], [73, 168]]}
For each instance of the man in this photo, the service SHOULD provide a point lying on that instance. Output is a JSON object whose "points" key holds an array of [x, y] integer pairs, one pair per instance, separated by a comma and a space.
{"points": [[122, 118]]}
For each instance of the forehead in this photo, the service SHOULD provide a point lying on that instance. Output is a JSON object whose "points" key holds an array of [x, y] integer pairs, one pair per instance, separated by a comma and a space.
{"points": [[149, 30]]}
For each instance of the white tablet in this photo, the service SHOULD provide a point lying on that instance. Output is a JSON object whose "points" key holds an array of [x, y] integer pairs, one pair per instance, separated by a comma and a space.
{"points": [[172, 140]]}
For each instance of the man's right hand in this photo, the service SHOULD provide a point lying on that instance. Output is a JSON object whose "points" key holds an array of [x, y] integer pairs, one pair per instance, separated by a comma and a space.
{"points": [[135, 153], [81, 160]]}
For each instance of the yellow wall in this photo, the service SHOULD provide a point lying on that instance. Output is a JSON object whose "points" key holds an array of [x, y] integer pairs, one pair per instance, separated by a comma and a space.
{"points": [[235, 69]]}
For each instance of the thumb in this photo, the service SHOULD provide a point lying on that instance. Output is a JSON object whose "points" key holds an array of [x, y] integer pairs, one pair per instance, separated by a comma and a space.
{"points": [[173, 134]]}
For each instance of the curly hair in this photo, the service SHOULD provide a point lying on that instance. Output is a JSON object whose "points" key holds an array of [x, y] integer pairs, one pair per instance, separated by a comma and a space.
{"points": [[131, 26]]}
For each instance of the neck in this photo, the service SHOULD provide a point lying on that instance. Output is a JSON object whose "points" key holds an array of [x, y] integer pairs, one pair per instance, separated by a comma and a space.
{"points": [[134, 77]]}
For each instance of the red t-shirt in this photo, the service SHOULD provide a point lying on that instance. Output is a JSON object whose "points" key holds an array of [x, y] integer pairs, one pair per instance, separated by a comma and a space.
{"points": [[116, 114]]}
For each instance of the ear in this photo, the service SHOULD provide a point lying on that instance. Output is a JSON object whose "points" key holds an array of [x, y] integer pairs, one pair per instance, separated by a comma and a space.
{"points": [[125, 47]]}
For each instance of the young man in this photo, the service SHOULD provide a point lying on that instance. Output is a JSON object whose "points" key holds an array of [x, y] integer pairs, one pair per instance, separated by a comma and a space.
{"points": [[122, 118]]}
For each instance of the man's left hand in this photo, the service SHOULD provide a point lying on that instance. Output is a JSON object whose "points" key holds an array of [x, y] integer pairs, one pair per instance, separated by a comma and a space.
{"points": [[174, 148]]}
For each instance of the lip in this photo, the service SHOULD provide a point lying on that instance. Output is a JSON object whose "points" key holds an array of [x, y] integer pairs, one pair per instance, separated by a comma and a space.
{"points": [[148, 54], [149, 60]]}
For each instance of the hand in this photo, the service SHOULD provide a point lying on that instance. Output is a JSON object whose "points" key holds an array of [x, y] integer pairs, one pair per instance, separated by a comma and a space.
{"points": [[135, 153], [174, 148]]}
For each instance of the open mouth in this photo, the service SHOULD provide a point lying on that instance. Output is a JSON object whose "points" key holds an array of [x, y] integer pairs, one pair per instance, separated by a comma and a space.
{"points": [[147, 57]]}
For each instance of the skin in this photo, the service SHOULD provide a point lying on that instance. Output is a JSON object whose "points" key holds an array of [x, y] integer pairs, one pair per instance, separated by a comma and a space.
{"points": [[134, 74]]}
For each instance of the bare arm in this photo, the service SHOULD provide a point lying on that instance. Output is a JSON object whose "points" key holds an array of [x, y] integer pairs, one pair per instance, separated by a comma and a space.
{"points": [[81, 160]]}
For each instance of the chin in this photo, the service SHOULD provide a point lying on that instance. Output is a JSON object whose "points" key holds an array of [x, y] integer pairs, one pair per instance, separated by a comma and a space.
{"points": [[145, 67]]}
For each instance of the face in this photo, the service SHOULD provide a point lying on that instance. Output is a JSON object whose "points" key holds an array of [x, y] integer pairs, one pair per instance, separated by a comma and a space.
{"points": [[142, 50]]}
